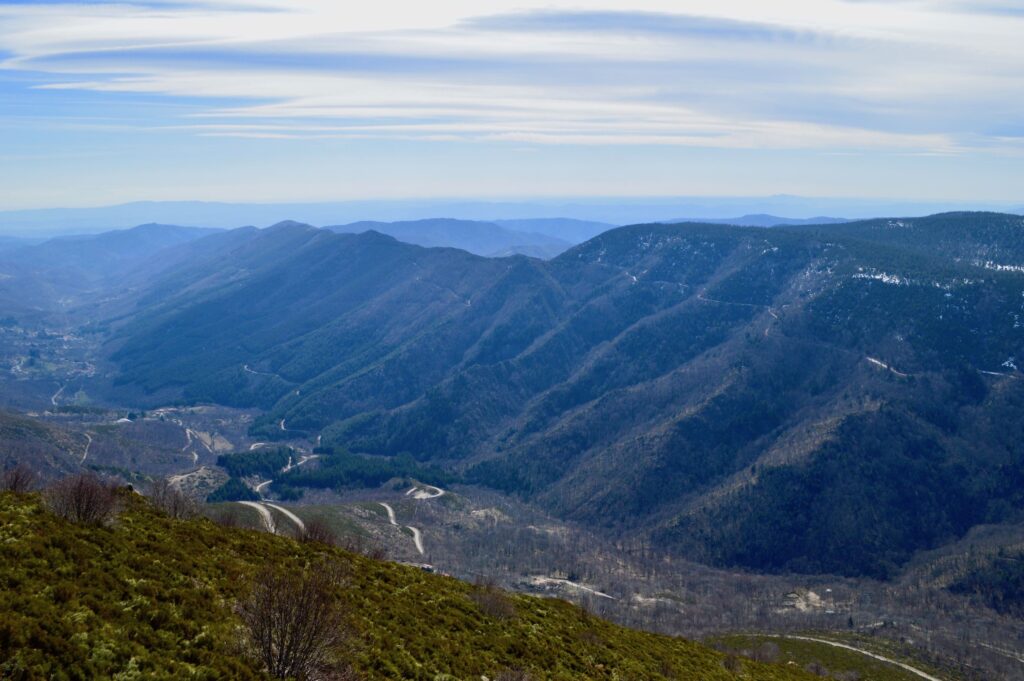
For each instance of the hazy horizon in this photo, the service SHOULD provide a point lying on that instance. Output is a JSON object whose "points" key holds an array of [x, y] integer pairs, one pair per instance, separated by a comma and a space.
{"points": [[49, 222]]}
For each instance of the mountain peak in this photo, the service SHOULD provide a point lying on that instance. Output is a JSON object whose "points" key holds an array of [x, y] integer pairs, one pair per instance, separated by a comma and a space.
{"points": [[290, 224]]}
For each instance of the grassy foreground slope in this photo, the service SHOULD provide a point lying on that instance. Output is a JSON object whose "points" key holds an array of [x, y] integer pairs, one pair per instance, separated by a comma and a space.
{"points": [[152, 598]]}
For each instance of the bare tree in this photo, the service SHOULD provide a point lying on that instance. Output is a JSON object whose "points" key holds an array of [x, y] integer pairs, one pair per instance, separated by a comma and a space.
{"points": [[732, 664], [317, 531], [767, 652], [295, 623], [19, 479], [172, 501], [492, 601], [355, 543], [83, 499], [227, 515]]}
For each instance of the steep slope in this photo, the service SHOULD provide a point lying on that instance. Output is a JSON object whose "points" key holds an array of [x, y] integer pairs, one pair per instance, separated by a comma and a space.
{"points": [[481, 238], [774, 359], [149, 597], [714, 387], [294, 305]]}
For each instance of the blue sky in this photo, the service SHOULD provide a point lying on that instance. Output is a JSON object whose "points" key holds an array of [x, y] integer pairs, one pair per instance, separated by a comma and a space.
{"points": [[305, 100]]}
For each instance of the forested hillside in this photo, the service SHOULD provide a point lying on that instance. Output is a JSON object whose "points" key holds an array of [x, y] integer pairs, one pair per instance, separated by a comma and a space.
{"points": [[826, 399]]}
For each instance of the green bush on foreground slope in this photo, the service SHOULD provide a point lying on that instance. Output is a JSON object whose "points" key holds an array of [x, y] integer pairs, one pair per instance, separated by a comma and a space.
{"points": [[153, 598]]}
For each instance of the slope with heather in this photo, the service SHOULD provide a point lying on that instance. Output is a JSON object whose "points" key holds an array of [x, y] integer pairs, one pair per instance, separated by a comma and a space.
{"points": [[150, 597]]}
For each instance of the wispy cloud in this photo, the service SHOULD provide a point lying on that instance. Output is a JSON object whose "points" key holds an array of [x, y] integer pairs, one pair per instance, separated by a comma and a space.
{"points": [[833, 76], [539, 75]]}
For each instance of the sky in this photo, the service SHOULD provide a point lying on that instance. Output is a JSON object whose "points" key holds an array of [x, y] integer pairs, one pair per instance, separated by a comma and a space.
{"points": [[324, 100]]}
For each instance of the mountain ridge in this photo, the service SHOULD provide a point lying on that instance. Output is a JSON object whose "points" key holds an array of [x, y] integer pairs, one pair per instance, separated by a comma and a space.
{"points": [[477, 237], [634, 375]]}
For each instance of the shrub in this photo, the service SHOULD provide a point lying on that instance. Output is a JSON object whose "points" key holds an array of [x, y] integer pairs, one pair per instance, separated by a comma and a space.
{"points": [[83, 499], [19, 479], [294, 621]]}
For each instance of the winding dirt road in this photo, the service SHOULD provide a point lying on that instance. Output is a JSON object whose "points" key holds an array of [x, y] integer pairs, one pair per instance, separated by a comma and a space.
{"points": [[883, 365], [549, 581], [422, 492], [268, 519], [835, 644], [288, 514], [417, 536], [304, 459], [88, 444], [391, 513]]}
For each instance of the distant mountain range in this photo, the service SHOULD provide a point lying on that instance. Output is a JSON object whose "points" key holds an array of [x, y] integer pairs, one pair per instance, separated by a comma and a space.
{"points": [[507, 213], [819, 398], [481, 238], [762, 220]]}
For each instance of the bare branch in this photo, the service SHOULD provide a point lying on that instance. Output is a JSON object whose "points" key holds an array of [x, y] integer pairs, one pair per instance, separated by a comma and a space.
{"points": [[20, 479], [83, 499], [317, 531], [172, 501], [294, 621]]}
